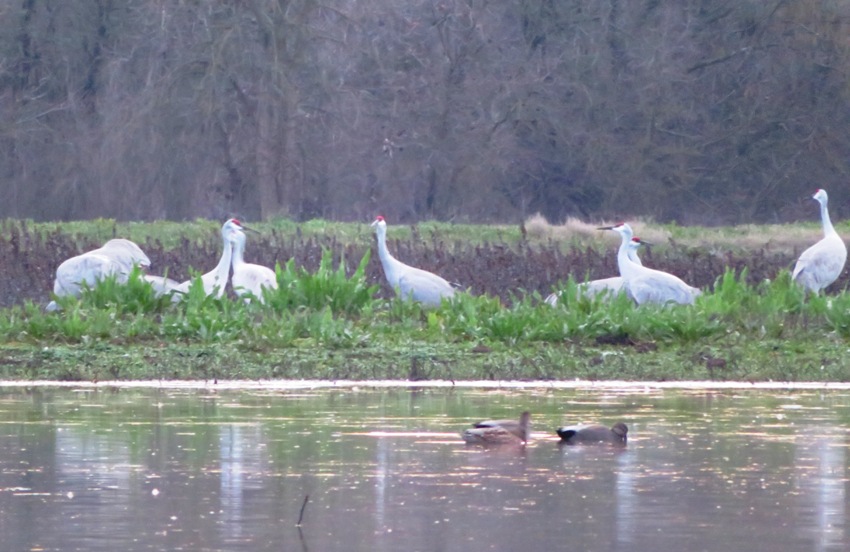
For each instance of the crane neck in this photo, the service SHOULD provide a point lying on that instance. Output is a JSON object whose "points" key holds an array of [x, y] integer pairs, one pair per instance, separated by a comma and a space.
{"points": [[824, 217], [624, 262], [633, 256], [238, 247], [223, 265], [387, 260]]}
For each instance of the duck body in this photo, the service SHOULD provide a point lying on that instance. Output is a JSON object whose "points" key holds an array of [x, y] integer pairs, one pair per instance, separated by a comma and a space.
{"points": [[594, 433], [499, 432]]}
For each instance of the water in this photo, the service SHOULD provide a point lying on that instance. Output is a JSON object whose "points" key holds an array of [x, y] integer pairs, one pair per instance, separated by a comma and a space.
{"points": [[386, 470]]}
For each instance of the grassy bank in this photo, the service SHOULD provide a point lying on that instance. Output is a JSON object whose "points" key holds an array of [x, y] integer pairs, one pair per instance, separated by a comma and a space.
{"points": [[331, 322]]}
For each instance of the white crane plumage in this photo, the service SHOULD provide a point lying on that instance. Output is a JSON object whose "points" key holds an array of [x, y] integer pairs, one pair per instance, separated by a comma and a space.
{"points": [[822, 263], [215, 281], [249, 277], [161, 285], [611, 286], [647, 285], [407, 281], [116, 257]]}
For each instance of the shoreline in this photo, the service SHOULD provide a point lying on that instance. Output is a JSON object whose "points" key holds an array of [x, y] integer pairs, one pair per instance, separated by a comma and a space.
{"points": [[355, 385]]}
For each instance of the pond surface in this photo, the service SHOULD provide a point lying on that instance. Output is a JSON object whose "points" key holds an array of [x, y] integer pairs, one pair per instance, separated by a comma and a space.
{"points": [[386, 470]]}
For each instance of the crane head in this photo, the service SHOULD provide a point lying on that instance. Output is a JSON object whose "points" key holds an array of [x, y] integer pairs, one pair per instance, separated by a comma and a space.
{"points": [[378, 221], [621, 228], [612, 227], [820, 196], [236, 224]]}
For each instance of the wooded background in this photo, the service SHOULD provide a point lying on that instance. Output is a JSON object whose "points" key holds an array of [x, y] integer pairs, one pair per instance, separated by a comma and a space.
{"points": [[694, 111]]}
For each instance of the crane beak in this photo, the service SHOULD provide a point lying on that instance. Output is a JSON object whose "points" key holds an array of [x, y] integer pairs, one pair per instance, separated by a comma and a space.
{"points": [[644, 242], [249, 229], [605, 228]]}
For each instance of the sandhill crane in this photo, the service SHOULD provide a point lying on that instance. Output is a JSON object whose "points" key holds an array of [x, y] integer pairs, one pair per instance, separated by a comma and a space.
{"points": [[647, 285], [612, 286], [585, 434], [249, 277], [215, 280], [407, 281], [116, 257], [499, 432], [822, 263]]}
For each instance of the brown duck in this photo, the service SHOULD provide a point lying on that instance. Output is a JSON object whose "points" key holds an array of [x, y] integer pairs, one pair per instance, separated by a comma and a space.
{"points": [[499, 432], [587, 434]]}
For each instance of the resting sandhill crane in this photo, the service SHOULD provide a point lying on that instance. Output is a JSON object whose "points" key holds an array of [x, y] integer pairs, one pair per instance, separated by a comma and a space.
{"points": [[116, 257], [612, 286], [499, 432], [249, 277], [407, 281], [586, 434], [647, 285], [215, 280], [822, 263]]}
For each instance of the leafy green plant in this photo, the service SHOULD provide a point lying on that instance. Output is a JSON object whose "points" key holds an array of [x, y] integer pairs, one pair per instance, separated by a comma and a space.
{"points": [[326, 288], [135, 296]]}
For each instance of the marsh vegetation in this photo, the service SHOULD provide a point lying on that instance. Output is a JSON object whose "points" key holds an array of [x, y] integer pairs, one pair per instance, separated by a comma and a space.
{"points": [[333, 317]]}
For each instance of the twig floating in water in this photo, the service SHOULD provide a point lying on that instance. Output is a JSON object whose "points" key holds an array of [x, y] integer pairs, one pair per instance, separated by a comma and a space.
{"points": [[303, 507]]}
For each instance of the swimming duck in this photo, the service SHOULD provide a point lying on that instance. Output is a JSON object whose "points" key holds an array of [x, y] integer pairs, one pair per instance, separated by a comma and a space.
{"points": [[499, 432], [586, 434]]}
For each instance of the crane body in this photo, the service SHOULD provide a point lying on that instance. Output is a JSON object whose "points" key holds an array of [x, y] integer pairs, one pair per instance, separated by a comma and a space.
{"points": [[822, 263], [249, 277], [647, 285], [611, 286], [410, 282]]}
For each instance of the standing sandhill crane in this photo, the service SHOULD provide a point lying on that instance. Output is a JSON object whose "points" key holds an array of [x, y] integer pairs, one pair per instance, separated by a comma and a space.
{"points": [[586, 434], [612, 286], [116, 257], [215, 280], [499, 432], [249, 277], [407, 281], [822, 263], [647, 285]]}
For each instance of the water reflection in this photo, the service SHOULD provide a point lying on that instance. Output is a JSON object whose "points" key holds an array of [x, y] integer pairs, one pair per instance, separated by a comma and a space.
{"points": [[387, 470], [820, 465]]}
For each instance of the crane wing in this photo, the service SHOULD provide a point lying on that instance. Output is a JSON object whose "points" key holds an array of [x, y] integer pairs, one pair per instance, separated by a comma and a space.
{"points": [[424, 287], [661, 287], [821, 264], [88, 268]]}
